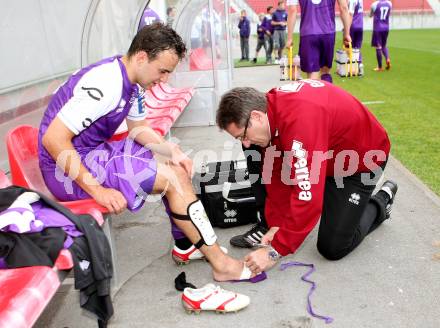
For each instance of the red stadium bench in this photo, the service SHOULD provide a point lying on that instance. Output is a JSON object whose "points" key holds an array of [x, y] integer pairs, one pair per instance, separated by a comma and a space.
{"points": [[22, 147], [25, 292], [163, 105], [201, 59]]}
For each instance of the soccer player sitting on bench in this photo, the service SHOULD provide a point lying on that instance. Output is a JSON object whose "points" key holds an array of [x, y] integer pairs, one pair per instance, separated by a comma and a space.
{"points": [[78, 162]]}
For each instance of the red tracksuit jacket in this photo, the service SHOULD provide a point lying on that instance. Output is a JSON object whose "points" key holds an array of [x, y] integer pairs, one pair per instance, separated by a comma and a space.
{"points": [[310, 120]]}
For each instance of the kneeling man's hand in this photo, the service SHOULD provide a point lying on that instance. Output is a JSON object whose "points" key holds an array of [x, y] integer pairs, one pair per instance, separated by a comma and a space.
{"points": [[259, 260], [268, 237]]}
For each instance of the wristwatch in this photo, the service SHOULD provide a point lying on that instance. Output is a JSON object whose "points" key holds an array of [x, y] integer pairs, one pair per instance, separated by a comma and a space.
{"points": [[273, 254]]}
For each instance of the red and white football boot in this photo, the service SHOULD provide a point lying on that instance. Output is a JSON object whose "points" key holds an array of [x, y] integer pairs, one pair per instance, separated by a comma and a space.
{"points": [[183, 257], [213, 298]]}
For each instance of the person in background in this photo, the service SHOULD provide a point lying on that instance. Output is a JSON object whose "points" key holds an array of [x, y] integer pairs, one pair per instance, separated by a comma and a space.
{"points": [[148, 17], [279, 23], [267, 23], [381, 11], [261, 42], [356, 10], [171, 15], [245, 31], [317, 34]]}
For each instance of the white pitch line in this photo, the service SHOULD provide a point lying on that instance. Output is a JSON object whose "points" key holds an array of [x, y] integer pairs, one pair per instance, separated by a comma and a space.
{"points": [[373, 102]]}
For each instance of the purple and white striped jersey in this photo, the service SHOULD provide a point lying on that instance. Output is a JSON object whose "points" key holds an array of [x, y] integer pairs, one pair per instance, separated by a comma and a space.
{"points": [[381, 10], [356, 9], [92, 104], [317, 16]]}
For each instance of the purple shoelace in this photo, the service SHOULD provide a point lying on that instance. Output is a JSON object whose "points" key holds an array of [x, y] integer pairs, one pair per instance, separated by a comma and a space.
{"points": [[312, 288]]}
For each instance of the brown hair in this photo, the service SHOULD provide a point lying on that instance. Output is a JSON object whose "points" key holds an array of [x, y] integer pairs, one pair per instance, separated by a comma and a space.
{"points": [[237, 104], [155, 38]]}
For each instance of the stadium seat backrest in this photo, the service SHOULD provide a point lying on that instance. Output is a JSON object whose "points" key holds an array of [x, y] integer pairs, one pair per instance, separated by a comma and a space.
{"points": [[4, 181], [22, 146]]}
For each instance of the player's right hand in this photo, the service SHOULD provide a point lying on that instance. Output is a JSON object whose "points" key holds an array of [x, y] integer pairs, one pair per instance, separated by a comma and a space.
{"points": [[347, 39], [289, 42], [111, 199]]}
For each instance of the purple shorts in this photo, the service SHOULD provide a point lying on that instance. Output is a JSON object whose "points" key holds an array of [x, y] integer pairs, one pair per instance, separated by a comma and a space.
{"points": [[316, 51], [356, 38], [122, 165], [379, 39]]}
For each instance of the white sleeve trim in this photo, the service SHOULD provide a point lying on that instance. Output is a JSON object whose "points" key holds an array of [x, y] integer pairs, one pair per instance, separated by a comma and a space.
{"points": [[97, 93]]}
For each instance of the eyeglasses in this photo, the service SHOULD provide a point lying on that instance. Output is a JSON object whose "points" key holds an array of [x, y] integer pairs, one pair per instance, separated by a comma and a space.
{"points": [[243, 137]]}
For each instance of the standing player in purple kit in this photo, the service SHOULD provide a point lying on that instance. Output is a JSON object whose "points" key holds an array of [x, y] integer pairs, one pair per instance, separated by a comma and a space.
{"points": [[268, 37], [77, 160], [317, 34], [356, 9], [279, 22], [381, 11]]}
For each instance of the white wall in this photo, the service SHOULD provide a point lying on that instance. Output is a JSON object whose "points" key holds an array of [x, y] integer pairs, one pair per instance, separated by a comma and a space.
{"points": [[39, 40]]}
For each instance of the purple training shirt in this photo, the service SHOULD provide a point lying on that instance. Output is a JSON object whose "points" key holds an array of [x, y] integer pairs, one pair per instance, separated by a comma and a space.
{"points": [[279, 16], [317, 16], [381, 10], [356, 8]]}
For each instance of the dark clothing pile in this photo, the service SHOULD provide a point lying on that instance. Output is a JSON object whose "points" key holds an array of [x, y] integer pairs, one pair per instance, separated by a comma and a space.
{"points": [[90, 250]]}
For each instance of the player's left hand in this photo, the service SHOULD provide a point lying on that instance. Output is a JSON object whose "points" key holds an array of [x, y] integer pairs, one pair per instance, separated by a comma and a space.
{"points": [[259, 261]]}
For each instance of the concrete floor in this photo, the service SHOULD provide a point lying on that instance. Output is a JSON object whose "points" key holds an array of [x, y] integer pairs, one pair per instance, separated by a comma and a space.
{"points": [[391, 280]]}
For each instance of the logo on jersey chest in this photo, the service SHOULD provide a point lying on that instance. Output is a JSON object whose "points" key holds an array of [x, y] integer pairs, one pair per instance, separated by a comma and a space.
{"points": [[302, 174]]}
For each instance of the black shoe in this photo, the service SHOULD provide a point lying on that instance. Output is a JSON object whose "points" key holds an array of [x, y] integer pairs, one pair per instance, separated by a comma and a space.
{"points": [[254, 60], [390, 188], [250, 238]]}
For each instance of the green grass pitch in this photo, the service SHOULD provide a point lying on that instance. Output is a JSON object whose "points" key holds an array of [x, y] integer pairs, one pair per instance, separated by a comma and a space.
{"points": [[407, 96], [411, 95]]}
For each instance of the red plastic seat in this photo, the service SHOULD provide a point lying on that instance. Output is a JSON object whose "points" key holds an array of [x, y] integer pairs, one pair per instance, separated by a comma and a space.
{"points": [[25, 292], [158, 93], [169, 89], [200, 60], [4, 181], [22, 146]]}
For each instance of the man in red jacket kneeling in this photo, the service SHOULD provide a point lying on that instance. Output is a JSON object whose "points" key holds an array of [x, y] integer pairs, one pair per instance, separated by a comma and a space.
{"points": [[323, 153]]}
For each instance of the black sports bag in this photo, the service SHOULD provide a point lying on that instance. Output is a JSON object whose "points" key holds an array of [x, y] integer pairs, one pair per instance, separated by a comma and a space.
{"points": [[225, 191]]}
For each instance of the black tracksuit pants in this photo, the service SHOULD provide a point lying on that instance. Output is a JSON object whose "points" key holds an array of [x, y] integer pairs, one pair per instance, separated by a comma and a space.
{"points": [[348, 214]]}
